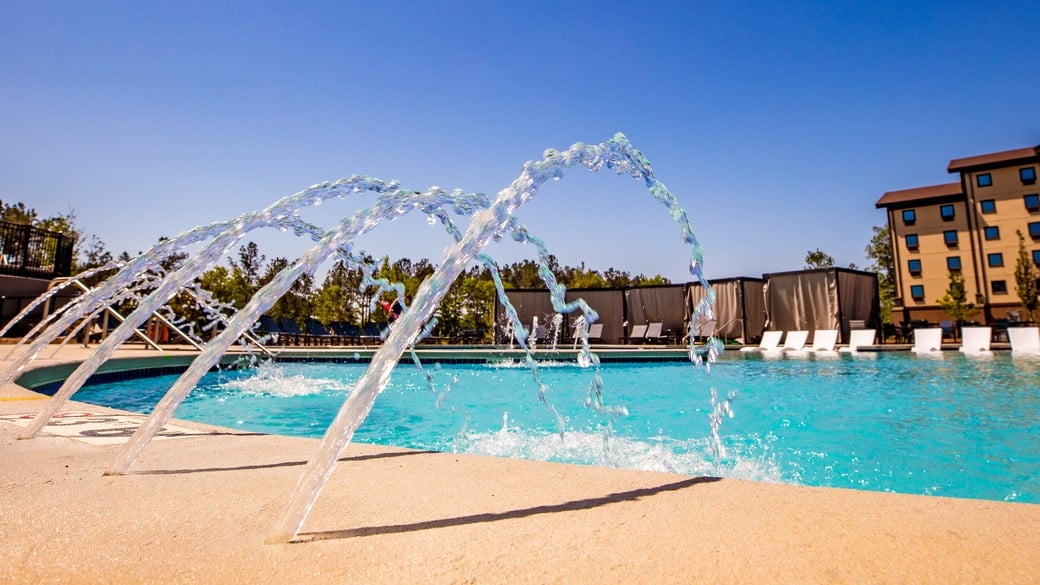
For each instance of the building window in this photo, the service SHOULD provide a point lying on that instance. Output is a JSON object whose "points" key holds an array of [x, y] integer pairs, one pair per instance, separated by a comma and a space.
{"points": [[950, 237], [984, 180], [1032, 201], [1028, 175], [917, 292], [995, 260], [953, 263], [909, 216], [911, 241], [992, 232], [999, 287], [914, 266], [989, 206], [946, 212], [1034, 230], [1036, 257]]}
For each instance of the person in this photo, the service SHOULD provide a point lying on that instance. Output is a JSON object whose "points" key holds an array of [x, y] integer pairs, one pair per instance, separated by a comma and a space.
{"points": [[397, 308]]}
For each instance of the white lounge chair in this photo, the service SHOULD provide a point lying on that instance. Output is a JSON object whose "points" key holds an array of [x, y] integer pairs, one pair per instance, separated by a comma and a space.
{"points": [[858, 338], [595, 332], [539, 334], [1024, 340], [638, 334], [794, 341], [824, 341], [770, 342], [705, 330], [927, 340], [975, 340], [654, 332]]}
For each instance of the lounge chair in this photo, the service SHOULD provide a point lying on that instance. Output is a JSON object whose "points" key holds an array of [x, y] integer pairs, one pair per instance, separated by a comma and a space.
{"points": [[705, 330], [794, 341], [371, 333], [269, 325], [1024, 340], [638, 334], [927, 340], [289, 327], [770, 342], [654, 333], [347, 333], [824, 341], [318, 332], [595, 333], [975, 340], [539, 334], [858, 338]]}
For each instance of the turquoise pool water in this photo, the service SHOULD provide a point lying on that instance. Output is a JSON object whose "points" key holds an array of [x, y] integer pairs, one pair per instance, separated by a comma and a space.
{"points": [[951, 426]]}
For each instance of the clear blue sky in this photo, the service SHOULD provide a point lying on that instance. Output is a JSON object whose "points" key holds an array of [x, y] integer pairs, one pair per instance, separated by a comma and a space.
{"points": [[778, 125]]}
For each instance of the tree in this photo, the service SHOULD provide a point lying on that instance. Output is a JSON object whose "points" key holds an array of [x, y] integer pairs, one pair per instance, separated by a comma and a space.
{"points": [[818, 259], [469, 305], [296, 303], [1027, 279], [250, 265], [879, 250], [955, 301], [339, 298], [525, 274]]}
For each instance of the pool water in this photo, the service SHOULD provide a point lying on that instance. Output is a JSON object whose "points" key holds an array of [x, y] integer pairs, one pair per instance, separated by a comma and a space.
{"points": [[952, 426]]}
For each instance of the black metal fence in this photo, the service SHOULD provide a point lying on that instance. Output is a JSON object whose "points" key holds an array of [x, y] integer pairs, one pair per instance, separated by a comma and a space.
{"points": [[35, 253]]}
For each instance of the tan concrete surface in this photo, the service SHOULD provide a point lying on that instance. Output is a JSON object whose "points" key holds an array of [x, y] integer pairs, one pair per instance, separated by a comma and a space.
{"points": [[196, 510]]}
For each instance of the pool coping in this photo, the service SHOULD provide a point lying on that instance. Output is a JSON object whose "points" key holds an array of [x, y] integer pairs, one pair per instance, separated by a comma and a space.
{"points": [[393, 516]]}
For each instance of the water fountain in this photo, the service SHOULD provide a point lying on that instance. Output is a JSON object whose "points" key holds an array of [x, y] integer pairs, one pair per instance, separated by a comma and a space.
{"points": [[490, 222]]}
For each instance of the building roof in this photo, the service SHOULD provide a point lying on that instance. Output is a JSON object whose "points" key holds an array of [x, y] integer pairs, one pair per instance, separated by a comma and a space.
{"points": [[920, 194], [993, 159]]}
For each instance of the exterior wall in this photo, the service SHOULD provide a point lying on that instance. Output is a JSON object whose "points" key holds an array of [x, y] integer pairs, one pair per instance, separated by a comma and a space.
{"points": [[988, 283], [1007, 192], [932, 253]]}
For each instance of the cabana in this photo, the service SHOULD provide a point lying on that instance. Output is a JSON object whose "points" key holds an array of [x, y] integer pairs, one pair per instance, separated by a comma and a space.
{"points": [[664, 304], [740, 311], [609, 303], [528, 303], [826, 298]]}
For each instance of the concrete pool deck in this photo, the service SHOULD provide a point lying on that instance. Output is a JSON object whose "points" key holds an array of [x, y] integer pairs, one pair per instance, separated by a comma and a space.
{"points": [[197, 506]]}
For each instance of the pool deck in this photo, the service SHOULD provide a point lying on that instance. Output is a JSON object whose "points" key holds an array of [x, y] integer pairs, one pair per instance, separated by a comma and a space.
{"points": [[196, 509]]}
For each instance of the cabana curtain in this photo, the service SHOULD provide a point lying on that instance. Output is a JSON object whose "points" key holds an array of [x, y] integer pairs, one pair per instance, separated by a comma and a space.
{"points": [[820, 299], [739, 307], [658, 304], [609, 303]]}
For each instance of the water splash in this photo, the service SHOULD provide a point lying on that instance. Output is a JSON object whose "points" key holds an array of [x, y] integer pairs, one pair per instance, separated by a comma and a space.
{"points": [[281, 214], [387, 206], [719, 411], [616, 154], [491, 221], [270, 378]]}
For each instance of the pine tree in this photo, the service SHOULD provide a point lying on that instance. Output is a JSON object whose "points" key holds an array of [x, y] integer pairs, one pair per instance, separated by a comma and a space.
{"points": [[955, 301], [1027, 280]]}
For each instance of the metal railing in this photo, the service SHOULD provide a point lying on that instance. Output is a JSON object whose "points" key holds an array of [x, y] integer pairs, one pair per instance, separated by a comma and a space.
{"points": [[29, 251]]}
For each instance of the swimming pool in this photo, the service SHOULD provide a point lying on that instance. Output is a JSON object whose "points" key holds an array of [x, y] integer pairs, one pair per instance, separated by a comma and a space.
{"points": [[952, 426]]}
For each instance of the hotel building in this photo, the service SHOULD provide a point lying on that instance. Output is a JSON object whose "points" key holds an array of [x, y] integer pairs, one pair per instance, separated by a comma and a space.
{"points": [[969, 227]]}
